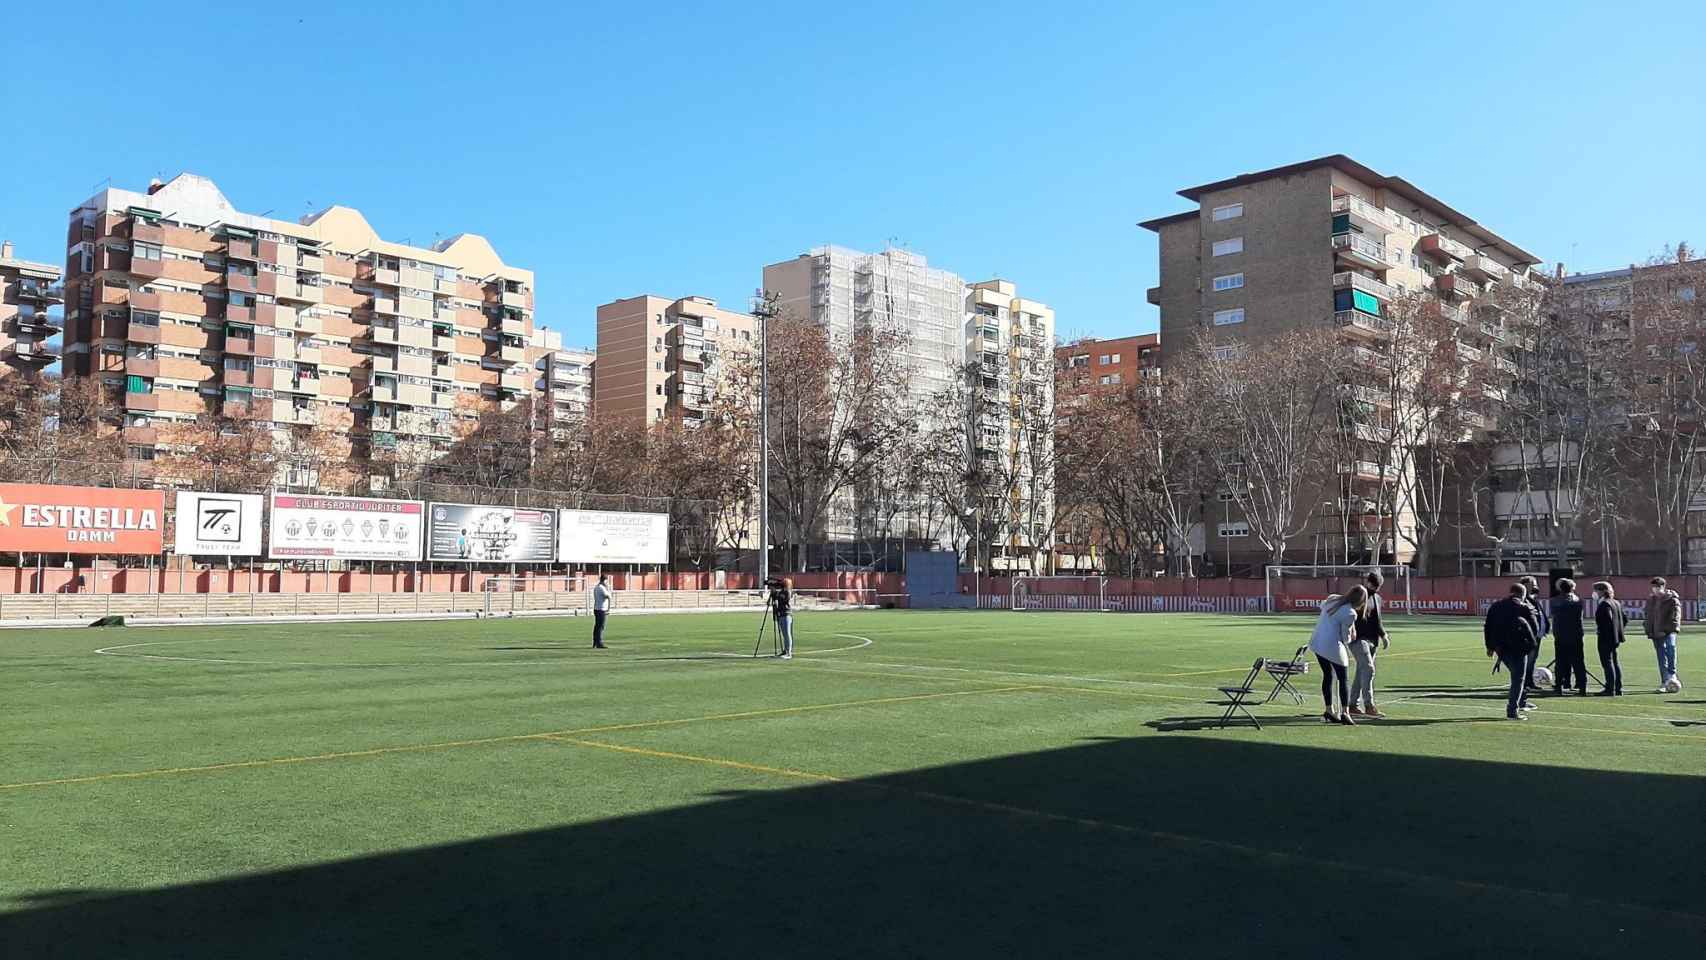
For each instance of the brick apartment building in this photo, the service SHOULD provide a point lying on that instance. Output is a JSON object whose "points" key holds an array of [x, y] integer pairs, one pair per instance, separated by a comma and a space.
{"points": [[184, 306]]}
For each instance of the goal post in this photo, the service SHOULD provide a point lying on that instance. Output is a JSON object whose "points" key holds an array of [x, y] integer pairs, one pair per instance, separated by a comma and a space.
{"points": [[1341, 578], [510, 595], [1056, 592]]}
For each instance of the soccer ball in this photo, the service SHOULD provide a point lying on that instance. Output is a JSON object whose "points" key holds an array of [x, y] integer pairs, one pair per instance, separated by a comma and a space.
{"points": [[1542, 677], [1673, 685]]}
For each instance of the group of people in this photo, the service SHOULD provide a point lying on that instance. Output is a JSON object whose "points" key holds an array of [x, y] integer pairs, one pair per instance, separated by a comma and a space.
{"points": [[1350, 632], [780, 605]]}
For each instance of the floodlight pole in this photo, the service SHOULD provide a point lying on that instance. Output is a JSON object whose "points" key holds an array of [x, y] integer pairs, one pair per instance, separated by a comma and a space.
{"points": [[763, 309]]}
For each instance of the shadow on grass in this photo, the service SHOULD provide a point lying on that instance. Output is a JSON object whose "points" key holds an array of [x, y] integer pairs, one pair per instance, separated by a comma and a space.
{"points": [[1159, 846]]}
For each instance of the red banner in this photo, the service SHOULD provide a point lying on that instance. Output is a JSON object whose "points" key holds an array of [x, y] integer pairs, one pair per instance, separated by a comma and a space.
{"points": [[91, 520]]}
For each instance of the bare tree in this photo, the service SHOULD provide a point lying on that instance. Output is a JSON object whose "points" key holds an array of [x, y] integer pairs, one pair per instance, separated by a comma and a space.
{"points": [[1274, 408], [228, 452], [1666, 443], [834, 410]]}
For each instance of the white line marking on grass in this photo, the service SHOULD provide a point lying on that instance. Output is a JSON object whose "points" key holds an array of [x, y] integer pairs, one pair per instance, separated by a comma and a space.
{"points": [[113, 651]]}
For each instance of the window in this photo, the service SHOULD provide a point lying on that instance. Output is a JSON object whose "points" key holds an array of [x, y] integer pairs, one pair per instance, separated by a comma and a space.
{"points": [[1083, 360], [146, 251], [1228, 247], [1225, 317], [1236, 529], [1103, 360], [1226, 496], [1230, 281], [1686, 294], [1228, 352], [1115, 379], [1105, 381], [135, 452], [1116, 358], [1230, 211]]}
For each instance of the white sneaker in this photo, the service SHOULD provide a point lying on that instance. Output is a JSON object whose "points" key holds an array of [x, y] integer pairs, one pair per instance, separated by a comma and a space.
{"points": [[787, 656]]}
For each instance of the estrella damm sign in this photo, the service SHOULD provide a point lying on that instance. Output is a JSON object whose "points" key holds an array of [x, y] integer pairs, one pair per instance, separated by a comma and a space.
{"points": [[37, 518]]}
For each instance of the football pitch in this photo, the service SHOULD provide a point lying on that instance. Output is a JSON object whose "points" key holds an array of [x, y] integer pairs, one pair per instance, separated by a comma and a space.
{"points": [[945, 784]]}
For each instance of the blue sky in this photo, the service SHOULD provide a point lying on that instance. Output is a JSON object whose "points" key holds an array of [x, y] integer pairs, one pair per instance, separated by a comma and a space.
{"points": [[618, 149]]}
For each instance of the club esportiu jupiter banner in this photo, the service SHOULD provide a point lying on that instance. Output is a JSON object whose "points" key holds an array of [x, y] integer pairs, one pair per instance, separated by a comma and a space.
{"points": [[37, 518]]}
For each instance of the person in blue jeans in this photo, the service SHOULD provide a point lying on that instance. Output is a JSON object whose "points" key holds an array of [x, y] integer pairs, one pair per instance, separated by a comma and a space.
{"points": [[1662, 623], [1509, 635]]}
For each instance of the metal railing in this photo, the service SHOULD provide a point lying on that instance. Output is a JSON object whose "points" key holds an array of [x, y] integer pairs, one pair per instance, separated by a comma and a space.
{"points": [[1356, 281], [1360, 245], [1362, 321]]}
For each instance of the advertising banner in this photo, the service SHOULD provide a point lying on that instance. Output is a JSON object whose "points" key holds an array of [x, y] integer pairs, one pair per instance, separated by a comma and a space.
{"points": [[469, 533], [217, 524], [598, 536], [345, 528], [38, 518], [1454, 605]]}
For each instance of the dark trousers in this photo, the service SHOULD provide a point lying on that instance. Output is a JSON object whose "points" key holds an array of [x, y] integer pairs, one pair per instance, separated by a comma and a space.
{"points": [[1517, 667], [1572, 665], [1533, 661], [1613, 669], [1331, 672], [598, 627]]}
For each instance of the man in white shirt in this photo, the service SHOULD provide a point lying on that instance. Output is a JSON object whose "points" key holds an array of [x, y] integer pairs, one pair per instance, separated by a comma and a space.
{"points": [[601, 596]]}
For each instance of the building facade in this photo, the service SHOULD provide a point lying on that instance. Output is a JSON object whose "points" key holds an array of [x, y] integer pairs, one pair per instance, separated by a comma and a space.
{"points": [[185, 307], [30, 297], [1010, 367], [1084, 367], [1325, 243], [661, 360], [566, 384]]}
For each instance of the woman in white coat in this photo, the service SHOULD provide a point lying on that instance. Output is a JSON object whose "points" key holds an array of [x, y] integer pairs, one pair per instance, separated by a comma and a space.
{"points": [[1338, 619]]}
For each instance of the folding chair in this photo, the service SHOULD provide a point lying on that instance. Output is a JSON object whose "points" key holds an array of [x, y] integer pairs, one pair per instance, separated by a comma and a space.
{"points": [[1237, 697], [1283, 670]]}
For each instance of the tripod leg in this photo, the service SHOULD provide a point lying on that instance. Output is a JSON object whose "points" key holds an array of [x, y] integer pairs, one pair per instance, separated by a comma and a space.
{"points": [[760, 641]]}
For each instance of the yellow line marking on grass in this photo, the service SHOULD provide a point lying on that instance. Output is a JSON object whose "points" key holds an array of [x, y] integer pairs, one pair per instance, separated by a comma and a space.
{"points": [[1170, 838], [510, 738]]}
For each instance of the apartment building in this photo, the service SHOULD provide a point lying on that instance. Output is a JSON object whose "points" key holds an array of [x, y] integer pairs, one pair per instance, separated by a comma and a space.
{"points": [[186, 306], [563, 390], [1084, 367], [661, 359], [30, 295], [1327, 242], [1010, 365]]}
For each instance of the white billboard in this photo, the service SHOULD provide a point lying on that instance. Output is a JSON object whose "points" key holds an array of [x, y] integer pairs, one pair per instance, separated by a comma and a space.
{"points": [[218, 524], [599, 536], [345, 528]]}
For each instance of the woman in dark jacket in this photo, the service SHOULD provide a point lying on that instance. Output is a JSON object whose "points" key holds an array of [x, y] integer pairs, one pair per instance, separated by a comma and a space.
{"points": [[1609, 617]]}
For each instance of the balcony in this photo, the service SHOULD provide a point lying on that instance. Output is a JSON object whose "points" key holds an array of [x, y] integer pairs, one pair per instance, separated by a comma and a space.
{"points": [[1357, 323], [1457, 286], [513, 326], [142, 367], [142, 332], [37, 324], [1350, 209], [515, 300], [1362, 470], [1358, 250], [512, 353], [1483, 269], [1476, 421], [1469, 353], [240, 282], [240, 249], [30, 353], [1368, 359], [1492, 329], [1442, 248], [1372, 396], [143, 402], [385, 305], [387, 277], [513, 381], [39, 291], [1350, 280], [1153, 295], [1504, 364], [235, 314], [304, 385]]}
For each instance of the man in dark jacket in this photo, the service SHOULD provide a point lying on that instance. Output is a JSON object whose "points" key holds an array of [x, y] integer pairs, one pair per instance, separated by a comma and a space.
{"points": [[1567, 634], [1369, 637], [1663, 623], [1536, 620], [1609, 621], [1509, 635]]}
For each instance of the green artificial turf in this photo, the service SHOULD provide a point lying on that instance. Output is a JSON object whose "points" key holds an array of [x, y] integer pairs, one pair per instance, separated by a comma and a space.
{"points": [[964, 784]]}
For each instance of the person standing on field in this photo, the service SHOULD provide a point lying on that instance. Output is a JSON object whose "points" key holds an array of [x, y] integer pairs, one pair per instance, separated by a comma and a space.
{"points": [[1370, 636], [1568, 632], [1509, 635], [1609, 620], [1337, 625], [1663, 623], [601, 597], [784, 611], [1538, 621]]}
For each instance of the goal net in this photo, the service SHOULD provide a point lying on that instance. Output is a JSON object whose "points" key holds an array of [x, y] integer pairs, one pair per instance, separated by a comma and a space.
{"points": [[517, 594], [1302, 587], [1083, 592]]}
